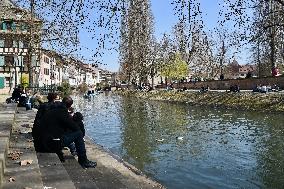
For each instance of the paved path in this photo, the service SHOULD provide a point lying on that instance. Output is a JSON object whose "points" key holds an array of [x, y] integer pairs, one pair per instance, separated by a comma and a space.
{"points": [[3, 97]]}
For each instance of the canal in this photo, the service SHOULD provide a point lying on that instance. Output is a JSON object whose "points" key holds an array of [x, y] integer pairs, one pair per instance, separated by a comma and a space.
{"points": [[190, 147]]}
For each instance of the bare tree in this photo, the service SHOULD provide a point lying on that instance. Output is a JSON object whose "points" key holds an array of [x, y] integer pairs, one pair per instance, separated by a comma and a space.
{"points": [[262, 24], [137, 41]]}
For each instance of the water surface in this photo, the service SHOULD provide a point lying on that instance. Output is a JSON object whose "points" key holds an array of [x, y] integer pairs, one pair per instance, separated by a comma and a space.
{"points": [[189, 147]]}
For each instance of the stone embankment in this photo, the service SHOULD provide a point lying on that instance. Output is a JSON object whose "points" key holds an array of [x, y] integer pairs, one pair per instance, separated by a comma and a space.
{"points": [[272, 101], [22, 168]]}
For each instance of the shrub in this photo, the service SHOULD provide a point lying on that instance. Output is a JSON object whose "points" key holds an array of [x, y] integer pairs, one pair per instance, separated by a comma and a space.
{"points": [[65, 89], [83, 88]]}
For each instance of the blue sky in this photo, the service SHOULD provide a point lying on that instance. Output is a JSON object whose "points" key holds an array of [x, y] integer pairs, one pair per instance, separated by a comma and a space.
{"points": [[164, 20]]}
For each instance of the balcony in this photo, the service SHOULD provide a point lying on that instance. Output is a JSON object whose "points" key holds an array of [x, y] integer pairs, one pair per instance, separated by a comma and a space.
{"points": [[12, 50]]}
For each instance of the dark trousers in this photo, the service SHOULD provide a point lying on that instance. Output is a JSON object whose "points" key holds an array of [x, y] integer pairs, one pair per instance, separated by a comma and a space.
{"points": [[77, 138]]}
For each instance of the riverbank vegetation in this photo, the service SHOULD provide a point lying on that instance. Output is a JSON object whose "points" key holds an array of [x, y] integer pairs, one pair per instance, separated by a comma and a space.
{"points": [[273, 102]]}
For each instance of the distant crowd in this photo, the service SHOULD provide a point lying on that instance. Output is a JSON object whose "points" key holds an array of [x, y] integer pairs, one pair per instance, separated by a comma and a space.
{"points": [[266, 88]]}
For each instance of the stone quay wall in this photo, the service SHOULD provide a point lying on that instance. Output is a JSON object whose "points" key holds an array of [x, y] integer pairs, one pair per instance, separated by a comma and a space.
{"points": [[262, 102], [244, 84]]}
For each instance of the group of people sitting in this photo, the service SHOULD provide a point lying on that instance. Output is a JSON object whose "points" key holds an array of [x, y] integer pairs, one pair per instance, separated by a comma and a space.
{"points": [[235, 88], [57, 126], [25, 98], [18, 96], [266, 88], [204, 89]]}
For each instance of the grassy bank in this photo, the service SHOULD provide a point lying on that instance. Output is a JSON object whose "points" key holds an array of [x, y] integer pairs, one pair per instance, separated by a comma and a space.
{"points": [[244, 100]]}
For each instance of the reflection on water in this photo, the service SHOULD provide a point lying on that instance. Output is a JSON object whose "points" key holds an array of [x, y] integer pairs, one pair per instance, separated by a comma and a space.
{"points": [[190, 147]]}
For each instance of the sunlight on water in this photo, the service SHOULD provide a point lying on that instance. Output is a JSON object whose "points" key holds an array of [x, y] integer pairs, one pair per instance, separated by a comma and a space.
{"points": [[190, 147]]}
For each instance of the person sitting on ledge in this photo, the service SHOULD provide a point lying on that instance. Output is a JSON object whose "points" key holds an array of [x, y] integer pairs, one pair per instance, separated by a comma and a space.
{"points": [[275, 88], [234, 88], [255, 88], [16, 95], [78, 118], [263, 89], [204, 89], [58, 130], [42, 109]]}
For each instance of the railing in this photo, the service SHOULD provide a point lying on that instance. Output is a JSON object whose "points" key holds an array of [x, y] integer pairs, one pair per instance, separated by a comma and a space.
{"points": [[43, 90]]}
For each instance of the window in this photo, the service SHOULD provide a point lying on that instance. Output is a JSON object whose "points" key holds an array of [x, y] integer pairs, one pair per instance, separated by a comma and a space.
{"points": [[46, 71], [9, 60], [25, 60], [7, 81], [13, 26], [46, 60], [2, 42], [2, 60], [3, 26], [24, 27], [8, 25], [15, 44], [26, 44], [34, 60], [21, 44], [20, 58], [8, 42], [2, 82]]}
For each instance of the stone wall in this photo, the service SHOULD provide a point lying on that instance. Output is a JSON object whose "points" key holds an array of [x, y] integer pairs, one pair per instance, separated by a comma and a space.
{"points": [[244, 84], [261, 102]]}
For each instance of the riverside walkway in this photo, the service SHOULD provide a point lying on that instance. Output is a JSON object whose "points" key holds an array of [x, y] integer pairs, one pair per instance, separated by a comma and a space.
{"points": [[22, 168]]}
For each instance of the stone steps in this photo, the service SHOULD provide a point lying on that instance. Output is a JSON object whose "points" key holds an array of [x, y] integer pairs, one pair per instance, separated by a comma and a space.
{"points": [[45, 170], [7, 113], [18, 176], [53, 172], [3, 153], [80, 177]]}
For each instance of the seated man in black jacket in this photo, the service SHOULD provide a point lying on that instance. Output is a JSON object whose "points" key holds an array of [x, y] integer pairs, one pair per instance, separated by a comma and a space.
{"points": [[43, 108], [57, 125]]}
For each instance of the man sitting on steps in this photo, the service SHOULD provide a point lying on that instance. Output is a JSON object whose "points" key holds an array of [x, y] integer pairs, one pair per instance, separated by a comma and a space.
{"points": [[58, 125], [43, 108]]}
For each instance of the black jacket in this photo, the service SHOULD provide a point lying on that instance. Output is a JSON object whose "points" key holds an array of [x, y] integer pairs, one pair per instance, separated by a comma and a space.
{"points": [[55, 123], [81, 126], [43, 108]]}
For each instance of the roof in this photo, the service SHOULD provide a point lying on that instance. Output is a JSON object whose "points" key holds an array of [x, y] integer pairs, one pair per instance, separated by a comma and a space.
{"points": [[247, 68], [7, 3], [9, 10]]}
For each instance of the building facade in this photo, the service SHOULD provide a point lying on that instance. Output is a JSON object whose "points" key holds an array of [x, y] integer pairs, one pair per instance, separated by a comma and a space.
{"points": [[50, 69], [16, 53]]}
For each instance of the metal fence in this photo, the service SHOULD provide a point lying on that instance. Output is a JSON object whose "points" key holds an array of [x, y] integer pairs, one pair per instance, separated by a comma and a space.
{"points": [[43, 90]]}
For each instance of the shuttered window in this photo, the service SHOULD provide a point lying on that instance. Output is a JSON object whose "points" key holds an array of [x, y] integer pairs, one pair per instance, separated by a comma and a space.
{"points": [[21, 44], [2, 82], [2, 60], [13, 26], [1, 42], [24, 27], [9, 60], [34, 62], [3, 26], [20, 61], [8, 42], [15, 44]]}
